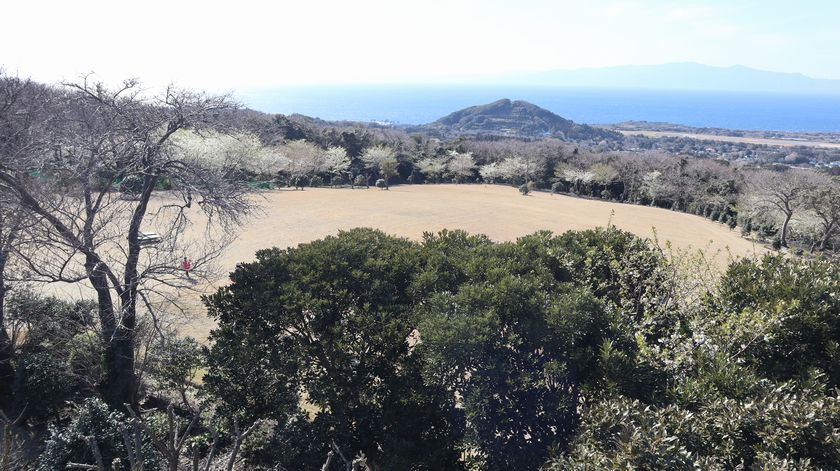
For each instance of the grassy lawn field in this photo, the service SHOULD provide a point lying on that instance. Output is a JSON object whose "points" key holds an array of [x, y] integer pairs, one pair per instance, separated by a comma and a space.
{"points": [[289, 218]]}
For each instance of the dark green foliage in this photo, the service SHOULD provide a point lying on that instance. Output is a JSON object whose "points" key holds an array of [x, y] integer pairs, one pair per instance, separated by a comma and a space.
{"points": [[297, 182], [756, 388], [92, 420], [767, 230], [511, 327], [48, 320], [251, 376], [332, 319], [295, 444], [553, 352], [524, 189], [360, 180], [746, 227], [617, 266], [316, 181], [42, 384], [84, 361], [781, 427], [263, 185], [355, 142], [336, 180], [291, 129], [131, 185], [164, 184], [508, 295], [795, 306], [58, 358], [174, 362], [380, 183]]}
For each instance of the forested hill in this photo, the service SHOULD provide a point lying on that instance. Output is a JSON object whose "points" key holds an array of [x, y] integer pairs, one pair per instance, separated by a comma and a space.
{"points": [[516, 118]]}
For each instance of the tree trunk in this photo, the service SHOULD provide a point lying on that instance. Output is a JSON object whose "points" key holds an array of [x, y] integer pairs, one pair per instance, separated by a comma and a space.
{"points": [[783, 237], [826, 236], [7, 371], [120, 384], [7, 350]]}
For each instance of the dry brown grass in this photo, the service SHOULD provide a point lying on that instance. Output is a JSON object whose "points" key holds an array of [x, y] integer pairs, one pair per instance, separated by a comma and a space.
{"points": [[289, 218], [293, 217]]}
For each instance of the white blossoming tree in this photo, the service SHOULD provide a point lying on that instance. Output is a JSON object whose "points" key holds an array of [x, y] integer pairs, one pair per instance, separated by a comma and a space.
{"points": [[336, 162], [431, 168], [461, 165], [301, 159], [383, 159], [490, 172]]}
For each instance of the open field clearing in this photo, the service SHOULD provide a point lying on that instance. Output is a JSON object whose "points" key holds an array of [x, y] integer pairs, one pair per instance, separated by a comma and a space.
{"points": [[741, 140], [292, 217], [287, 218]]}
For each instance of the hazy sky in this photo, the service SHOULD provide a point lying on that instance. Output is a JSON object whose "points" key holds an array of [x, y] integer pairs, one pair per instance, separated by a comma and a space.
{"points": [[242, 43]]}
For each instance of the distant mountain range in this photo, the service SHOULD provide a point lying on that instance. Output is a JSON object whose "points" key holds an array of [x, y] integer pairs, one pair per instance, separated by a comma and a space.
{"points": [[515, 118], [678, 76]]}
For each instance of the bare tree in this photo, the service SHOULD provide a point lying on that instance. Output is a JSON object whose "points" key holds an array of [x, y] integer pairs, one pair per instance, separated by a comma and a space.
{"points": [[778, 193], [23, 108], [823, 199], [101, 137], [169, 445], [359, 463], [11, 223], [239, 436], [12, 452]]}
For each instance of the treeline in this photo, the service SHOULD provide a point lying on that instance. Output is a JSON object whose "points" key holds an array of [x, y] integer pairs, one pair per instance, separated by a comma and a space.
{"points": [[365, 351], [755, 154], [806, 215]]}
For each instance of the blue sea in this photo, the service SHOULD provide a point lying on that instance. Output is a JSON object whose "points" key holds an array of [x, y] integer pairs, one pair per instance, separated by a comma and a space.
{"points": [[419, 104]]}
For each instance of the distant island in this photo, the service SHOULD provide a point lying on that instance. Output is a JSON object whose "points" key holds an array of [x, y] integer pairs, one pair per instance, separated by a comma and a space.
{"points": [[689, 94], [515, 118], [678, 76]]}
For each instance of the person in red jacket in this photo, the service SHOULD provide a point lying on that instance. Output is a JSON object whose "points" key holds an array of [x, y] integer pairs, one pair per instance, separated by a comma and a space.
{"points": [[186, 265]]}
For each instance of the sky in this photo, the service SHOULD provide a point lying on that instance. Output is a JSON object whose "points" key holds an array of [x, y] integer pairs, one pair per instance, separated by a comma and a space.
{"points": [[243, 44]]}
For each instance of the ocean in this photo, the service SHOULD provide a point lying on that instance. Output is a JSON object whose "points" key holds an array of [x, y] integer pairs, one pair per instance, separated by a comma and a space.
{"points": [[419, 104]]}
